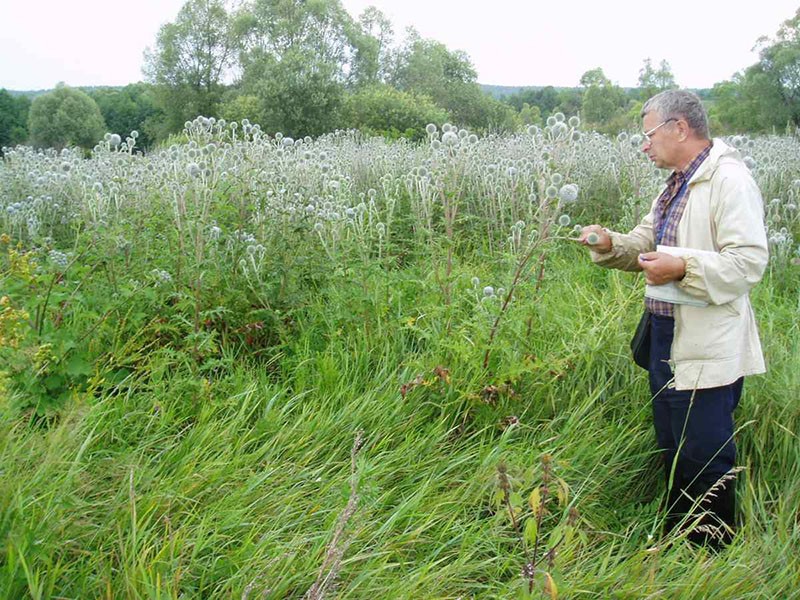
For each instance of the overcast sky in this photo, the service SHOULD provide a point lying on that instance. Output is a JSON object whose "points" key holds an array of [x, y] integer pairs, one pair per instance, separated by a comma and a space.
{"points": [[511, 42]]}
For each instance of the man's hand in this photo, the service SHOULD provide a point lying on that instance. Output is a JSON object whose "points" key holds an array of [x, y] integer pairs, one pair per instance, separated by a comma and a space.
{"points": [[660, 268], [596, 237]]}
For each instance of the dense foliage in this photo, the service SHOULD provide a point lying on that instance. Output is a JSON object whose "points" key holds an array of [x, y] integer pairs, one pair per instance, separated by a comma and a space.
{"points": [[247, 365], [65, 117]]}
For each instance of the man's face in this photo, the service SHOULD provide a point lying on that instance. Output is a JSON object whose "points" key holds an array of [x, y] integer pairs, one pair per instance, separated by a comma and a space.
{"points": [[659, 143]]}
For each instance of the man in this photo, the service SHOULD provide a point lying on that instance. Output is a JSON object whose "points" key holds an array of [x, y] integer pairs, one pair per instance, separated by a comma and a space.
{"points": [[699, 351]]}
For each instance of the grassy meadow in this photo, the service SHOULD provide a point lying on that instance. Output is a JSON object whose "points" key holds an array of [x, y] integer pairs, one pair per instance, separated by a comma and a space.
{"points": [[245, 366]]}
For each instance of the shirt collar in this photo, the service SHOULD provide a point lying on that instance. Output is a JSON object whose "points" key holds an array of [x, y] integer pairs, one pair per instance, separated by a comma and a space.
{"points": [[691, 168]]}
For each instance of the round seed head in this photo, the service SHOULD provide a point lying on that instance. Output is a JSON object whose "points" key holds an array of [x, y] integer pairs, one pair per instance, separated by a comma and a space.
{"points": [[450, 138], [568, 193]]}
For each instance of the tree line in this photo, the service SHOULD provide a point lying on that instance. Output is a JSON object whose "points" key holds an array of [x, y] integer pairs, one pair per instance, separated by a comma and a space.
{"points": [[308, 67]]}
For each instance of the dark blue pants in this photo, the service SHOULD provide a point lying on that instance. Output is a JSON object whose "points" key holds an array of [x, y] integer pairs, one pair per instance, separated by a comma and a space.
{"points": [[694, 429]]}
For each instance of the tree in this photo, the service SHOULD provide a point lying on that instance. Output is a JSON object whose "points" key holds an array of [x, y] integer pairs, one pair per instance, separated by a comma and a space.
{"points": [[427, 67], [780, 64], [594, 77], [602, 101], [652, 81], [374, 55], [130, 108], [65, 117], [383, 110], [190, 60], [530, 115], [765, 96], [546, 99], [298, 58], [13, 118]]}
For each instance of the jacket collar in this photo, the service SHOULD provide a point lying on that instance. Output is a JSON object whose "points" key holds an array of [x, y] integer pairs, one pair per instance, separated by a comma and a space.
{"points": [[719, 151]]}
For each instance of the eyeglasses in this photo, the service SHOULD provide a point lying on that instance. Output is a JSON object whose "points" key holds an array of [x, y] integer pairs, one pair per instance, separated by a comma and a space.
{"points": [[647, 134]]}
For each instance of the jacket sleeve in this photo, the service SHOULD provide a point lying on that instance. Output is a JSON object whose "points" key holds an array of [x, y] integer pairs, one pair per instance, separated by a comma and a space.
{"points": [[626, 248], [741, 239]]}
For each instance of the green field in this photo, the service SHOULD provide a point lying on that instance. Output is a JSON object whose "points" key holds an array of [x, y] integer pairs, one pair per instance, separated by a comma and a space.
{"points": [[252, 367]]}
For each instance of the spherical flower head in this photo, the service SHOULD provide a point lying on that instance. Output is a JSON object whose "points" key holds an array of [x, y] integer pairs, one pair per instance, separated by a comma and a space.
{"points": [[520, 225], [107, 137], [450, 138], [134, 134], [750, 162], [476, 282], [318, 227], [532, 130], [574, 121], [436, 144], [592, 238], [636, 139], [556, 179], [559, 117], [59, 259], [576, 135], [488, 291], [472, 139], [430, 128], [622, 137], [551, 191], [381, 229], [97, 187], [287, 141], [560, 129], [193, 169], [568, 193], [564, 220], [447, 127], [551, 120]]}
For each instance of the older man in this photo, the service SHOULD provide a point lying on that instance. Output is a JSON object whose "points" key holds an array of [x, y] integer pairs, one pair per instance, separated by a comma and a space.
{"points": [[701, 346]]}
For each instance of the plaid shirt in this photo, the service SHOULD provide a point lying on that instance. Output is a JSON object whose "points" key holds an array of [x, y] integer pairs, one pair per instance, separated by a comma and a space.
{"points": [[668, 211]]}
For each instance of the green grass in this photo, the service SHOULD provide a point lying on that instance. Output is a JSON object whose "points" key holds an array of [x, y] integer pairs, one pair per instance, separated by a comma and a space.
{"points": [[229, 484]]}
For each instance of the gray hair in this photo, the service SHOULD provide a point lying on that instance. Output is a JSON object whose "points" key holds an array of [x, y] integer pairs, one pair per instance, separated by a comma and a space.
{"points": [[680, 104]]}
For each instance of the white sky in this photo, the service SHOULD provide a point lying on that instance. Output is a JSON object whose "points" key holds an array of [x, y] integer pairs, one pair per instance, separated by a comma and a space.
{"points": [[511, 42]]}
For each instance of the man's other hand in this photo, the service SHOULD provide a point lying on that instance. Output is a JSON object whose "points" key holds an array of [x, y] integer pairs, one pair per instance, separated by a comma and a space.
{"points": [[660, 268]]}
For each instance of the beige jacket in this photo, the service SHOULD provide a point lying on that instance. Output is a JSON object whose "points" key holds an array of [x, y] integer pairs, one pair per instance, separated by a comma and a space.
{"points": [[717, 344]]}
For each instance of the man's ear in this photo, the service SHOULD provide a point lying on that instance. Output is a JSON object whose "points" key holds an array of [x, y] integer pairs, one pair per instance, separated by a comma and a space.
{"points": [[683, 129]]}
